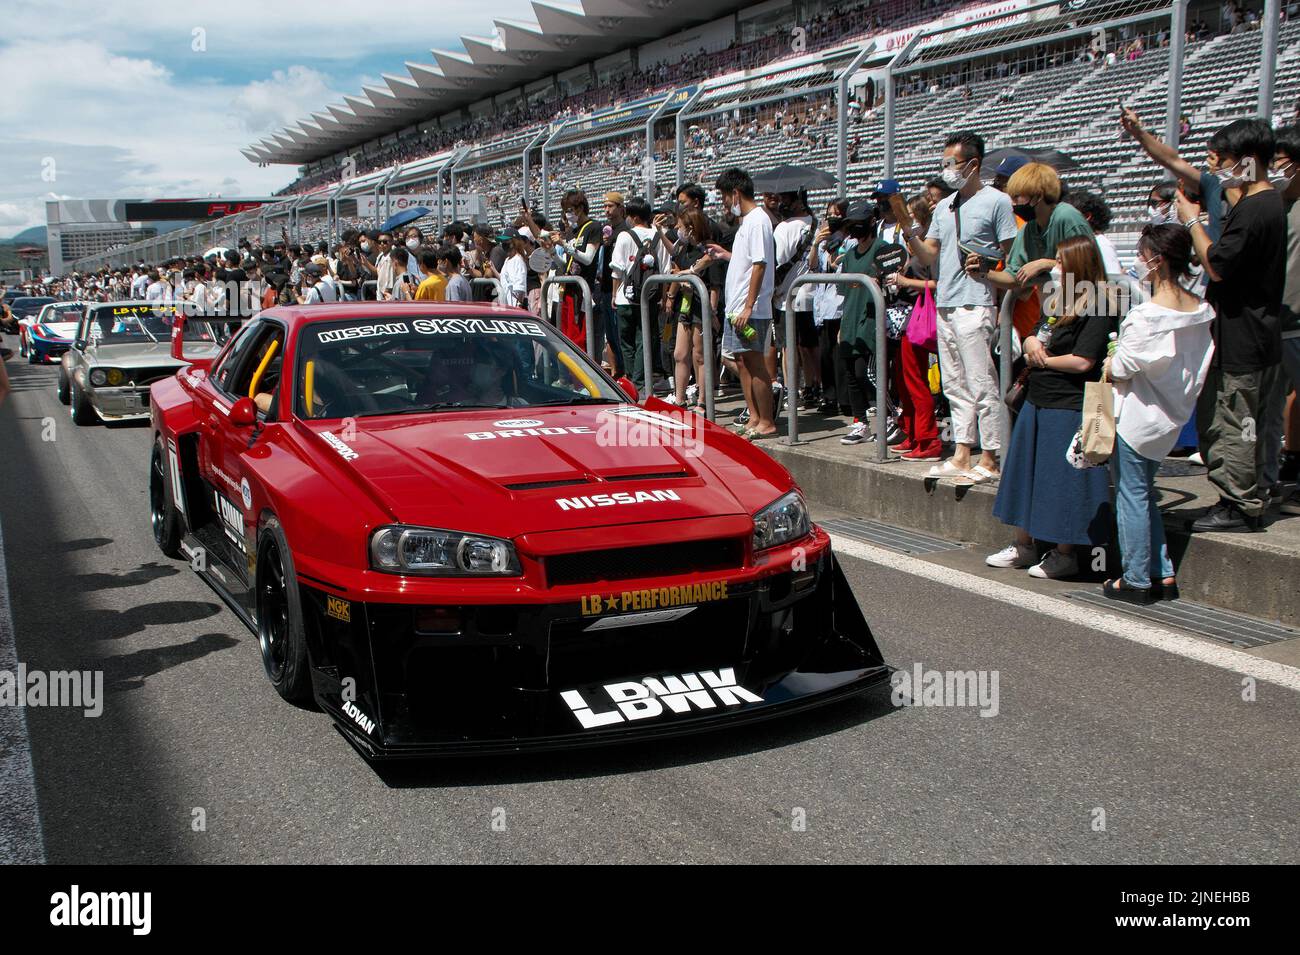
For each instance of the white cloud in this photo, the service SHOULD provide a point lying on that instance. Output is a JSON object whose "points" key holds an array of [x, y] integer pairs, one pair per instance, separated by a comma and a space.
{"points": [[289, 95]]}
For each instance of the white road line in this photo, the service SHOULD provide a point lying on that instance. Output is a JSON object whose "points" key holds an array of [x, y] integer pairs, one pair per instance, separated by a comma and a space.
{"points": [[1126, 628], [20, 818]]}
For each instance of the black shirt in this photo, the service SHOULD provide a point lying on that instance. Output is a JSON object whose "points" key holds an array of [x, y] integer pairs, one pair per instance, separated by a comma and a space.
{"points": [[1085, 337], [1250, 257]]}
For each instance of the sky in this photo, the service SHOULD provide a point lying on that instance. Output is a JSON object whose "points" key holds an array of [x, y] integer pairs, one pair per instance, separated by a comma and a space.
{"points": [[125, 99]]}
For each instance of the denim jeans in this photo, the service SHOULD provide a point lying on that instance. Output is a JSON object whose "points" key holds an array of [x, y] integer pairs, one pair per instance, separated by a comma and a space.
{"points": [[1141, 530]]}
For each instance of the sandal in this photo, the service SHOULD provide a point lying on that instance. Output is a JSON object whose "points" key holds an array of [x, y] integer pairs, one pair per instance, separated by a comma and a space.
{"points": [[1116, 590], [979, 474], [945, 470], [750, 435]]}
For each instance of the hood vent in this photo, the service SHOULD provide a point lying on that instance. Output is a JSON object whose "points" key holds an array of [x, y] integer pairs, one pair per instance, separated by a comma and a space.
{"points": [[538, 485]]}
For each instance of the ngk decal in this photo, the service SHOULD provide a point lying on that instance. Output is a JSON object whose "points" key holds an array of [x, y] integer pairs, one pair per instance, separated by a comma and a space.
{"points": [[648, 698]]}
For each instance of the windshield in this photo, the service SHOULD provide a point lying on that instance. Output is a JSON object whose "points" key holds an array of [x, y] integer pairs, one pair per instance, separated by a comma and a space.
{"points": [[363, 367], [141, 324]]}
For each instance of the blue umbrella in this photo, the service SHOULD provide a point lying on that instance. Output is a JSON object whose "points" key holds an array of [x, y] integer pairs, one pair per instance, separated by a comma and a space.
{"points": [[402, 218]]}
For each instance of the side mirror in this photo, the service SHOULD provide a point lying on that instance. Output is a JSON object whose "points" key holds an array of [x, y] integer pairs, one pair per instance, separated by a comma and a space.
{"points": [[79, 344], [243, 413], [629, 389]]}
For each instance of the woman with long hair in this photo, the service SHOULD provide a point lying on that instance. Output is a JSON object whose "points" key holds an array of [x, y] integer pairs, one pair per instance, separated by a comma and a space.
{"points": [[1159, 366], [1042, 495]]}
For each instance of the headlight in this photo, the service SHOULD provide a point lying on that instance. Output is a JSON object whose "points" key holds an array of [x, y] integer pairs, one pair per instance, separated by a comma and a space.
{"points": [[782, 521], [397, 549], [115, 376], [98, 377]]}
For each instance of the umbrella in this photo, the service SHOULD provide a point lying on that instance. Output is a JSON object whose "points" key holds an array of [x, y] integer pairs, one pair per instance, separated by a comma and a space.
{"points": [[1052, 157], [217, 250], [403, 217], [790, 178]]}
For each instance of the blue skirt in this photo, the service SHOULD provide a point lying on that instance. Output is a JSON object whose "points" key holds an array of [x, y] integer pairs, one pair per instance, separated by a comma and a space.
{"points": [[1042, 493]]}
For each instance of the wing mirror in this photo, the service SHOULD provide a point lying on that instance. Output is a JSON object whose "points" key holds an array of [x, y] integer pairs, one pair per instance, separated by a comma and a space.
{"points": [[243, 413], [629, 389]]}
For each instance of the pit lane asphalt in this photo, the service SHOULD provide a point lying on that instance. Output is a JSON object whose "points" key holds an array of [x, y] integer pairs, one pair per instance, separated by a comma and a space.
{"points": [[1184, 770]]}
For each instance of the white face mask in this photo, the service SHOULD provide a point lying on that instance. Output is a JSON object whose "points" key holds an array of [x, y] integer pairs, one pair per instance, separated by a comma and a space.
{"points": [[365, 247], [1162, 213], [412, 244], [735, 209], [1280, 179], [953, 177], [1230, 177]]}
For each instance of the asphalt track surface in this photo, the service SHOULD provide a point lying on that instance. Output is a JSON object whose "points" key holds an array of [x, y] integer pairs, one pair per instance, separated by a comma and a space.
{"points": [[1182, 767]]}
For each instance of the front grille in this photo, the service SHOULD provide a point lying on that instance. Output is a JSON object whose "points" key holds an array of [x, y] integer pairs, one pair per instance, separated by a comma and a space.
{"points": [[656, 560], [147, 376]]}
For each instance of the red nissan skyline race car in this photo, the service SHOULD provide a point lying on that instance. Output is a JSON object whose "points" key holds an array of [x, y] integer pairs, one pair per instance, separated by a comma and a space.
{"points": [[454, 532]]}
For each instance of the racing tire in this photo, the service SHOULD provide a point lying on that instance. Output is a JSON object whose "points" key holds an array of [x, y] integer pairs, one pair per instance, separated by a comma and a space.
{"points": [[62, 390], [82, 412], [163, 516], [281, 637]]}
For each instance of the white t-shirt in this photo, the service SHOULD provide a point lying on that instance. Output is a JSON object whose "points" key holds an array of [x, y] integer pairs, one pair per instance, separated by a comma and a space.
{"points": [[788, 236], [625, 253], [754, 243]]}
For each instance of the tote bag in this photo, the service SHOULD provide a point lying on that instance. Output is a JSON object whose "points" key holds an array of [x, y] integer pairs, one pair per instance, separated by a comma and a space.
{"points": [[922, 327]]}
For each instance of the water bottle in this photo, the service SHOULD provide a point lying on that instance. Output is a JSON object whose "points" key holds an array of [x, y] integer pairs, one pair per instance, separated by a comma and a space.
{"points": [[747, 333]]}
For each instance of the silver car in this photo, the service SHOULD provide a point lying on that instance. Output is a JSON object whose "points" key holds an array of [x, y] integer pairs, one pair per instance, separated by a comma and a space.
{"points": [[120, 349]]}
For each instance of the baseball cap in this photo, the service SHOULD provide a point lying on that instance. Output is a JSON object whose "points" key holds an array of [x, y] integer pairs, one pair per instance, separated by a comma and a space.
{"points": [[314, 270], [887, 187], [526, 233], [1010, 165]]}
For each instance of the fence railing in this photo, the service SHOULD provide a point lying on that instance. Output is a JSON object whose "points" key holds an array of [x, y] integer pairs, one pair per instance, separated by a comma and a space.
{"points": [[588, 309]]}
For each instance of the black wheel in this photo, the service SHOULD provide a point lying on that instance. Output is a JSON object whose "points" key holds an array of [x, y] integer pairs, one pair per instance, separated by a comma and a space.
{"points": [[82, 412], [280, 634], [164, 517], [62, 390]]}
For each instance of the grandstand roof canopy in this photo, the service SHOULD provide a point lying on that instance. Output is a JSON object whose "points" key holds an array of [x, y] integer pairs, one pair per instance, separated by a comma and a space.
{"points": [[563, 36]]}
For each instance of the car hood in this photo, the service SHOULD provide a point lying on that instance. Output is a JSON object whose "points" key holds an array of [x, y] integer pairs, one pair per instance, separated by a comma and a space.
{"points": [[519, 471], [134, 355]]}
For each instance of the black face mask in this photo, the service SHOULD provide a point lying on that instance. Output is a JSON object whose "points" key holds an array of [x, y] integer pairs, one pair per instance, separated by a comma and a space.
{"points": [[1025, 211], [834, 222], [861, 230]]}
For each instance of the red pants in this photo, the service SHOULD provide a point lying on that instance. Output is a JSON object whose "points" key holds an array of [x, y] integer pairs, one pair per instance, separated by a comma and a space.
{"points": [[911, 371]]}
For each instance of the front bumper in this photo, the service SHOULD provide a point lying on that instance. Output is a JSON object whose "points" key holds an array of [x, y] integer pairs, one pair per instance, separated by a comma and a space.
{"points": [[123, 403], [633, 664], [45, 349]]}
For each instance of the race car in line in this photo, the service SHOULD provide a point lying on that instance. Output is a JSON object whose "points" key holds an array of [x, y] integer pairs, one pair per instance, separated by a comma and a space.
{"points": [[47, 335], [453, 532], [120, 349]]}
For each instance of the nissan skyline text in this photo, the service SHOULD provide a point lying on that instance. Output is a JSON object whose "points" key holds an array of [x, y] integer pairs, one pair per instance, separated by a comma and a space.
{"points": [[454, 532]]}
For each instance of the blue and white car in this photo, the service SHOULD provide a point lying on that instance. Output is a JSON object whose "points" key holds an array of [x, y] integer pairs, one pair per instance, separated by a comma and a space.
{"points": [[47, 335]]}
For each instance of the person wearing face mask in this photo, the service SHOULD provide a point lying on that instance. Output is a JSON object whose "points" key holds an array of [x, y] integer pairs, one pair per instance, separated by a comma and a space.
{"points": [[857, 334], [1246, 268], [414, 242], [578, 253], [1159, 365], [793, 238], [967, 316], [1284, 417], [1203, 183], [828, 307], [1035, 192], [1042, 495], [1160, 204], [746, 333]]}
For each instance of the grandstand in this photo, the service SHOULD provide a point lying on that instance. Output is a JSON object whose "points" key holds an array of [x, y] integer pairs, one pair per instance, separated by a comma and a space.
{"points": [[1023, 73]]}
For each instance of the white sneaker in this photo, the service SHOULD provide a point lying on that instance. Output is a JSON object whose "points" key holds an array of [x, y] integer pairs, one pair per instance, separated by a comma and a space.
{"points": [[1013, 555], [857, 433], [1055, 565], [1195, 458]]}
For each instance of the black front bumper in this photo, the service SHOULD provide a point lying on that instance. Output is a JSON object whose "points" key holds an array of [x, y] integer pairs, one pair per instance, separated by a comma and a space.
{"points": [[404, 681]]}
